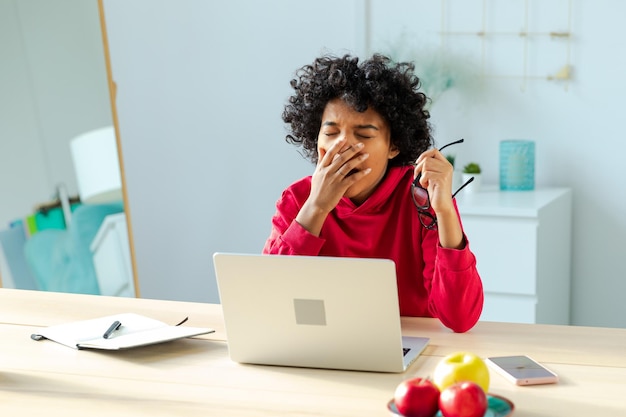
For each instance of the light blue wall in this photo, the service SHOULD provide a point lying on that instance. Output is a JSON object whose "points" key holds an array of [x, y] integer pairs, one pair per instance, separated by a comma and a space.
{"points": [[201, 89]]}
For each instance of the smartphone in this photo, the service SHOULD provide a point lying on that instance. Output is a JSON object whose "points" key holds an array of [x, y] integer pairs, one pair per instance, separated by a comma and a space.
{"points": [[522, 370]]}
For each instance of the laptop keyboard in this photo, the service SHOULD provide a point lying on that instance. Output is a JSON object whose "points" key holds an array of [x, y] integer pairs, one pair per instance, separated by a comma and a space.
{"points": [[405, 351]]}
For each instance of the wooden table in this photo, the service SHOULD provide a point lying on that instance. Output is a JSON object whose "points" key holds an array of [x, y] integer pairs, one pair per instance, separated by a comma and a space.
{"points": [[195, 377]]}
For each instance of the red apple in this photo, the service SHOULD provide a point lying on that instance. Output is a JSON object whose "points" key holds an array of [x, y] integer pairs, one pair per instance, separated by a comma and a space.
{"points": [[463, 399], [417, 397]]}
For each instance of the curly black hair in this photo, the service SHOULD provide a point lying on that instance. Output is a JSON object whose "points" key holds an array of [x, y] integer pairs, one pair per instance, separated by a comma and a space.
{"points": [[389, 88]]}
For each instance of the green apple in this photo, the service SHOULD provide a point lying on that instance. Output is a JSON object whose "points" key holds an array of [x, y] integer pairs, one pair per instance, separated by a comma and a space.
{"points": [[459, 367]]}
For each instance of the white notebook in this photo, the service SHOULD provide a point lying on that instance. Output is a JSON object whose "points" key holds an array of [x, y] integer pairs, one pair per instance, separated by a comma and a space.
{"points": [[134, 330]]}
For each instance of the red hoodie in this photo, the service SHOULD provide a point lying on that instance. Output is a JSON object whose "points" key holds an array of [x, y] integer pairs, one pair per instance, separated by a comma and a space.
{"points": [[432, 281]]}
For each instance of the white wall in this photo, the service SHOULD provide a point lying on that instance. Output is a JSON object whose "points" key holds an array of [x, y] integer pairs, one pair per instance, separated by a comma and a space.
{"points": [[201, 90]]}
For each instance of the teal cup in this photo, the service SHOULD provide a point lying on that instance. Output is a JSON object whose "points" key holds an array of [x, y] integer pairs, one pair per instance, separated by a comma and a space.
{"points": [[517, 165]]}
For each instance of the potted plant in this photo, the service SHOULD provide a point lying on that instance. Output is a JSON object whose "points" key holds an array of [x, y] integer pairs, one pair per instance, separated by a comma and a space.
{"points": [[472, 169]]}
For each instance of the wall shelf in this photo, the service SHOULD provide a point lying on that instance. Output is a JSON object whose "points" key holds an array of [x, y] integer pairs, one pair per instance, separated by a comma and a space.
{"points": [[539, 57]]}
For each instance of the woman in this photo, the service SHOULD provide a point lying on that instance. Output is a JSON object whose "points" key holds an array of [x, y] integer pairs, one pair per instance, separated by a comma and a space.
{"points": [[365, 128]]}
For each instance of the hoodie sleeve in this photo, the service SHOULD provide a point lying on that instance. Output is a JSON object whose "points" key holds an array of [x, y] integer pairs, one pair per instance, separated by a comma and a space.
{"points": [[456, 293], [287, 236], [455, 290]]}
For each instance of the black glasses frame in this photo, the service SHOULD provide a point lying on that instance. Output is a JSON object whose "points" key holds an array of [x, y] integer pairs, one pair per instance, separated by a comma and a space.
{"points": [[428, 220]]}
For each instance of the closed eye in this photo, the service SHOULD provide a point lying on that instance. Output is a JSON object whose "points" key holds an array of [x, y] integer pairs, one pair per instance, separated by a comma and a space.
{"points": [[366, 131]]}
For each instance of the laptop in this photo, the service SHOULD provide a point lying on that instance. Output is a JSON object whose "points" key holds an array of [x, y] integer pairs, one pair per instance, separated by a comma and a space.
{"points": [[314, 312]]}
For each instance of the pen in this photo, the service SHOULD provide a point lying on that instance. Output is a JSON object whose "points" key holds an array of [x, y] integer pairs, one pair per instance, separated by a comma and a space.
{"points": [[116, 325]]}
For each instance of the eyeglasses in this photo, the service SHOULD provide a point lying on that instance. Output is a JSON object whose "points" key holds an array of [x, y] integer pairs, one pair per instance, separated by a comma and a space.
{"points": [[422, 200]]}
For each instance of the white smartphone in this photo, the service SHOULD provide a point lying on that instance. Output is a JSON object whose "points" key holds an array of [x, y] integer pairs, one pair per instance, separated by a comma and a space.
{"points": [[522, 370]]}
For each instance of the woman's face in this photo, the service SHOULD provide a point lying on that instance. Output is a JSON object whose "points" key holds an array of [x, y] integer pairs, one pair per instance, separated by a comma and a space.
{"points": [[341, 120]]}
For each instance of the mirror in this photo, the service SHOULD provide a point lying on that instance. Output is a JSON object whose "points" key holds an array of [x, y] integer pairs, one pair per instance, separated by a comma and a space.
{"points": [[54, 89]]}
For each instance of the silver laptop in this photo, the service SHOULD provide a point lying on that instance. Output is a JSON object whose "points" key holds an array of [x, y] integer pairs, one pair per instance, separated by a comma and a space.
{"points": [[313, 311]]}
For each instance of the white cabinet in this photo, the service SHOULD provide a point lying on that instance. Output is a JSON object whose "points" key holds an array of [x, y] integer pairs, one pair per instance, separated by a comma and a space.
{"points": [[111, 257], [522, 243]]}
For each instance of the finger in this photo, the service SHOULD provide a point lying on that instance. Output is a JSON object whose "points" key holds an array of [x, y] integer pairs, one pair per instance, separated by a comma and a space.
{"points": [[424, 179], [422, 167], [437, 174], [416, 172], [349, 167], [429, 169], [438, 155], [357, 176], [327, 157], [347, 153], [426, 154]]}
